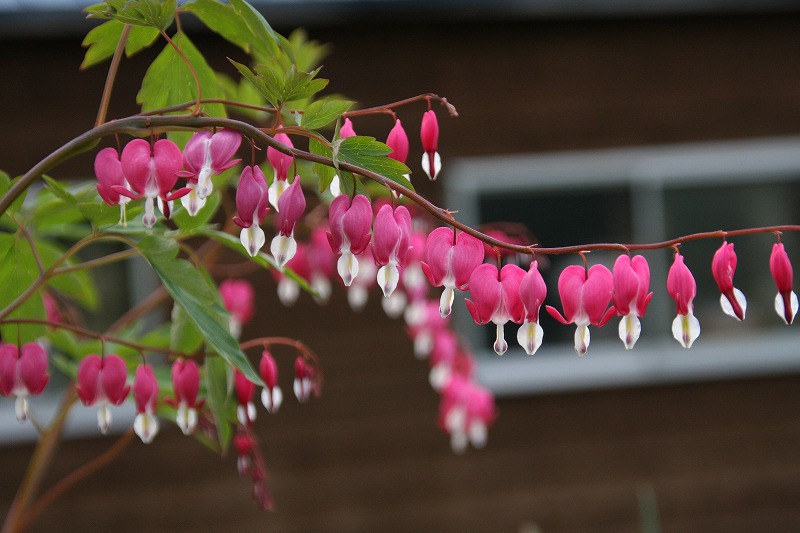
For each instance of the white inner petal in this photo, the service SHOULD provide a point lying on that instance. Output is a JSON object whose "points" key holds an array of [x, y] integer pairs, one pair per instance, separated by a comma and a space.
{"points": [[686, 329], [629, 330], [529, 336]]}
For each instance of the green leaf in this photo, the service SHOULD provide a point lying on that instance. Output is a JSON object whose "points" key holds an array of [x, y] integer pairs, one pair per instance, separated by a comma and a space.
{"points": [[184, 336], [18, 270], [102, 41], [270, 90], [77, 285], [322, 112], [323, 172], [225, 21], [156, 13], [87, 201], [265, 40], [168, 81], [366, 152], [308, 54], [187, 223], [199, 297], [218, 392]]}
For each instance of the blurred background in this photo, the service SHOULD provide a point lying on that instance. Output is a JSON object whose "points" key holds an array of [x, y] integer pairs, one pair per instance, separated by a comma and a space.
{"points": [[709, 451]]}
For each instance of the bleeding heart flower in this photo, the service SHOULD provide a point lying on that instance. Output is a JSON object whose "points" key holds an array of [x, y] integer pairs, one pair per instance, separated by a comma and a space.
{"points": [[251, 204], [207, 155], [349, 234], [23, 373], [495, 298], [271, 396], [781, 269], [186, 385], [292, 206], [390, 245], [281, 163], [630, 296], [145, 393], [429, 135], [450, 263], [532, 292], [104, 381], [585, 296], [723, 267], [682, 288]]}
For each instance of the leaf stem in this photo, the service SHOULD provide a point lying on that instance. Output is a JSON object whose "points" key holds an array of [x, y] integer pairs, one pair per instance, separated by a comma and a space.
{"points": [[178, 51], [102, 111]]}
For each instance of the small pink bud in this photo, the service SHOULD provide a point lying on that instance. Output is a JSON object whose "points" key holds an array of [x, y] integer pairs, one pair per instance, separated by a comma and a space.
{"points": [[532, 292], [630, 297], [398, 142], [186, 384], [347, 129], [238, 297], [292, 205], [429, 135], [281, 163], [305, 383], [108, 170]]}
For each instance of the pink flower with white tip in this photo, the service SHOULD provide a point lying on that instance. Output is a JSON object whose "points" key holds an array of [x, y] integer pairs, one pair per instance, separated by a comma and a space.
{"points": [[207, 155], [292, 206], [245, 389], [321, 264], [103, 381], [495, 298], [723, 267], [450, 263], [585, 297], [108, 170], [186, 385], [23, 373], [271, 396], [532, 292], [145, 394], [390, 244], [429, 135], [238, 297], [151, 174], [281, 164], [251, 204], [630, 297], [682, 288], [781, 269], [349, 235], [305, 380], [465, 413]]}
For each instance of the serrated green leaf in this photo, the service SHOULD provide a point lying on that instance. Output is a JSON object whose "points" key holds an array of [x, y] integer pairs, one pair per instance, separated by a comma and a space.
{"points": [[168, 81], [259, 82], [307, 54], [223, 20], [218, 393], [322, 112], [194, 292], [370, 154], [18, 270], [156, 13], [102, 41], [88, 202]]}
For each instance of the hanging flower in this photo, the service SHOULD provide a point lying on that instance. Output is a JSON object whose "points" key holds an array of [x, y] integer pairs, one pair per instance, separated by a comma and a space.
{"points": [[238, 297], [585, 296], [349, 234], [271, 396], [151, 174], [630, 296], [450, 261], [292, 206], [429, 135], [495, 298], [145, 393], [207, 155], [723, 267], [251, 204], [103, 381], [281, 164], [23, 373], [186, 385], [532, 292], [781, 269], [682, 288], [390, 245]]}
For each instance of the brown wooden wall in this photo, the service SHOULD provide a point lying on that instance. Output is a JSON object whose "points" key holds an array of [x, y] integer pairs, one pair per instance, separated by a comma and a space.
{"points": [[367, 456]]}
